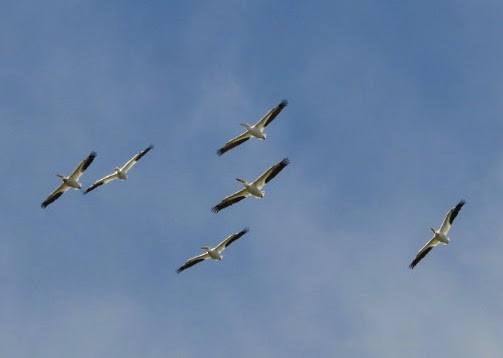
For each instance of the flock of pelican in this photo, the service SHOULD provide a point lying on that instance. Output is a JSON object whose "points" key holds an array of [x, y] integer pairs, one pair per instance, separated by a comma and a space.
{"points": [[249, 189], [72, 181], [254, 188]]}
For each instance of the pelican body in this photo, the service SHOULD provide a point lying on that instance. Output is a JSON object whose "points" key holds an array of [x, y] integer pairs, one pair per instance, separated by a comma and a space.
{"points": [[71, 181], [254, 188], [214, 253], [256, 130], [440, 235], [119, 172]]}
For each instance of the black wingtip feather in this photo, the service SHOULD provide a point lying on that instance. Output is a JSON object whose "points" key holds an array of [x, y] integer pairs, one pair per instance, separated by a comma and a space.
{"points": [[285, 161], [48, 201], [188, 264], [277, 169], [143, 152], [456, 210], [419, 257], [230, 146], [92, 187], [225, 204], [284, 103], [89, 160]]}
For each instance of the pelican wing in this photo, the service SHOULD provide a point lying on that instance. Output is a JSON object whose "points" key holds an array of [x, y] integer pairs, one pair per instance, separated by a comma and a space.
{"points": [[136, 158], [273, 113], [234, 142], [230, 239], [77, 173], [102, 181], [231, 199], [55, 194], [191, 262], [451, 215], [423, 252], [270, 173]]}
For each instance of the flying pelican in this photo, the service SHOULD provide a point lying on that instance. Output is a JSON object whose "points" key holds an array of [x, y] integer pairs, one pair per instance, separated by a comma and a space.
{"points": [[212, 253], [440, 235], [254, 188], [120, 173], [256, 130], [71, 181]]}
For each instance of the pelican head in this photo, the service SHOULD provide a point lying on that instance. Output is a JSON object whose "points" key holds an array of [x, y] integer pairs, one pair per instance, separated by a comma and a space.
{"points": [[61, 176], [432, 229], [205, 248], [117, 169], [242, 181], [246, 125]]}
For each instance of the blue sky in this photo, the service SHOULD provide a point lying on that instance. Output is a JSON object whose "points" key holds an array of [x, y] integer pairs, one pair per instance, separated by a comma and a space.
{"points": [[395, 114]]}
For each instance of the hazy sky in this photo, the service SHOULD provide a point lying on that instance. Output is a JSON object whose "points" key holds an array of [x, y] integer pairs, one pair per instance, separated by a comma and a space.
{"points": [[395, 114]]}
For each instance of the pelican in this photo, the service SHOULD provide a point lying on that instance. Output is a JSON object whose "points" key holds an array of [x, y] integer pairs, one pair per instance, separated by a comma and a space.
{"points": [[120, 173], [440, 235], [256, 130], [254, 188], [212, 253], [71, 181]]}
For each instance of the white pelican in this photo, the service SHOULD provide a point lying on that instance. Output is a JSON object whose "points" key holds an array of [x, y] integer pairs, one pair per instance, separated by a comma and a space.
{"points": [[440, 235], [120, 173], [71, 181], [254, 188], [212, 253], [256, 130]]}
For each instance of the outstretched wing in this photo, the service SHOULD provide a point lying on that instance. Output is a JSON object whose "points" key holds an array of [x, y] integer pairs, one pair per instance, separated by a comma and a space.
{"points": [[423, 252], [230, 200], [273, 113], [55, 195], [81, 168], [230, 239], [191, 262], [451, 215], [131, 162], [234, 142], [100, 182], [270, 173]]}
